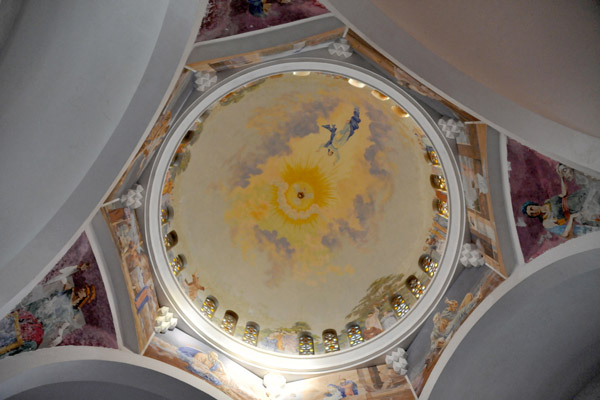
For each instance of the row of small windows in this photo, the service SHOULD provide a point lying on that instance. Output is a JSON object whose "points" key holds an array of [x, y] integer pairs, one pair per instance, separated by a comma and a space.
{"points": [[305, 340], [330, 338], [438, 182]]}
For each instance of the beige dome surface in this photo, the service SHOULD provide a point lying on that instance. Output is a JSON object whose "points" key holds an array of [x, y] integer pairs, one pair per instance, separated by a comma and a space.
{"points": [[302, 203]]}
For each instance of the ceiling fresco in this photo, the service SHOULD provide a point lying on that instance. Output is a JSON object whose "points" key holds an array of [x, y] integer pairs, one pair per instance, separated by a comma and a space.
{"points": [[232, 17], [303, 203]]}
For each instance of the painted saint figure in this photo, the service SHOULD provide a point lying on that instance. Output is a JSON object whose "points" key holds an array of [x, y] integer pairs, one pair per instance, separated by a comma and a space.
{"points": [[338, 139], [569, 214]]}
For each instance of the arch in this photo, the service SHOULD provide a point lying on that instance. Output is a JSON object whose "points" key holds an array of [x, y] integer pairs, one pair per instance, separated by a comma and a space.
{"points": [[528, 322], [96, 133], [79, 364]]}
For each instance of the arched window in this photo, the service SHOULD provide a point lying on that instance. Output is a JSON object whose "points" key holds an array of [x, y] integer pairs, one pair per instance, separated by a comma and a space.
{"points": [[438, 182], [189, 136], [432, 156], [441, 207], [428, 264], [209, 306], [251, 333], [415, 286], [166, 214], [229, 322], [399, 305], [306, 344], [355, 336], [178, 264], [330, 341], [176, 161], [170, 239]]}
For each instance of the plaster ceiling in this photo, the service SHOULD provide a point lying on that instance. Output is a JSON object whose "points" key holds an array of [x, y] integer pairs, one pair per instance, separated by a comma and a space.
{"points": [[541, 55], [291, 222]]}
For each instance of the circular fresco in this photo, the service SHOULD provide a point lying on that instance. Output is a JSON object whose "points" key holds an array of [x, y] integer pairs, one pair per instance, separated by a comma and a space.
{"points": [[302, 203]]}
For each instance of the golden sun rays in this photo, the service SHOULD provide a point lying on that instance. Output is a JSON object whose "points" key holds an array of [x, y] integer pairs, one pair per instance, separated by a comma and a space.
{"points": [[303, 191]]}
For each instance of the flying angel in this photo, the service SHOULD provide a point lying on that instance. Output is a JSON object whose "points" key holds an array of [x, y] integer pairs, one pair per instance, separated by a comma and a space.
{"points": [[338, 139]]}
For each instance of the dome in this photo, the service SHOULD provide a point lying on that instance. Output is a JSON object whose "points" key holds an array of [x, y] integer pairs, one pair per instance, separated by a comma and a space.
{"points": [[329, 196]]}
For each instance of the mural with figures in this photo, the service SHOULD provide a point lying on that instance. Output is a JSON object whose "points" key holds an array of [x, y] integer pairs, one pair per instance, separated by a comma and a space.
{"points": [[377, 382], [182, 351], [231, 17], [551, 202], [136, 269], [269, 53], [153, 141], [465, 294], [472, 158], [69, 307], [302, 185]]}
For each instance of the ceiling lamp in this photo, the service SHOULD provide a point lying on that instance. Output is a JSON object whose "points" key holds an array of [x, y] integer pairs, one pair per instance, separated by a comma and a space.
{"points": [[356, 83], [301, 73], [399, 111], [379, 96]]}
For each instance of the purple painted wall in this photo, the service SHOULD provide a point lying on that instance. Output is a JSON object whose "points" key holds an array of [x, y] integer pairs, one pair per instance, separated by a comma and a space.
{"points": [[232, 17], [68, 307], [534, 177]]}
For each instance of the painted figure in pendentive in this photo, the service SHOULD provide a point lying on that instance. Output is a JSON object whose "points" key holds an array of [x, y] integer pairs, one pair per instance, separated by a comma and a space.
{"points": [[57, 305], [569, 214], [338, 139]]}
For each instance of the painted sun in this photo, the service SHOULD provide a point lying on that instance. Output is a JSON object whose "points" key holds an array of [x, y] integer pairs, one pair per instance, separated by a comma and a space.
{"points": [[304, 190]]}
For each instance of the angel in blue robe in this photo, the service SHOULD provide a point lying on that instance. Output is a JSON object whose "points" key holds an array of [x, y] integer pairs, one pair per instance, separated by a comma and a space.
{"points": [[338, 139]]}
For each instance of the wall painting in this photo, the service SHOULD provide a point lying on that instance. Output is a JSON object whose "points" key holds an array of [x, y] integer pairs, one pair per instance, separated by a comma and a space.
{"points": [[69, 307], [282, 211], [472, 157], [377, 382], [231, 17], [266, 54], [465, 294], [551, 202], [152, 141], [136, 269], [184, 352]]}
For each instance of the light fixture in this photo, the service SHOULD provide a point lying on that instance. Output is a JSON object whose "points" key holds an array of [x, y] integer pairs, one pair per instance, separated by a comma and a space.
{"points": [[399, 111], [356, 83], [378, 95]]}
